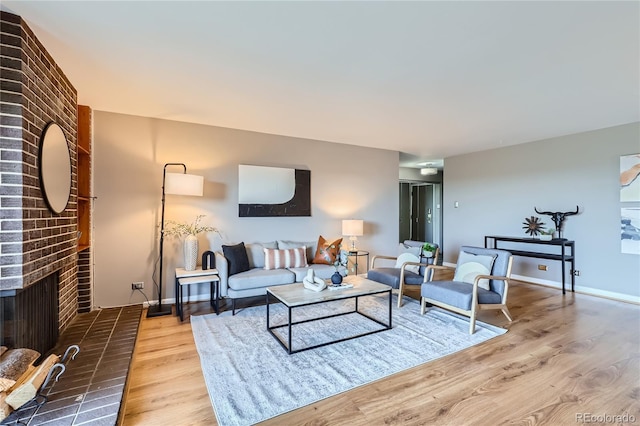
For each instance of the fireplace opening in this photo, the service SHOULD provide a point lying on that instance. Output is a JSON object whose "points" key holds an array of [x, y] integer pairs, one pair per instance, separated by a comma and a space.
{"points": [[30, 317]]}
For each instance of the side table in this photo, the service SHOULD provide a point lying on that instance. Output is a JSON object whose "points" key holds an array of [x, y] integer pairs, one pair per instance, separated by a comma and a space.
{"points": [[197, 276], [357, 254]]}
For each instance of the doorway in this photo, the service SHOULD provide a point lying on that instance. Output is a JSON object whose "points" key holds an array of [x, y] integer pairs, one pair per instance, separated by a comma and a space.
{"points": [[421, 212]]}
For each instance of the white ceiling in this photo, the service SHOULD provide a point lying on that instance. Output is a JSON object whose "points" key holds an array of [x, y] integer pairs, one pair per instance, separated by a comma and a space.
{"points": [[429, 79]]}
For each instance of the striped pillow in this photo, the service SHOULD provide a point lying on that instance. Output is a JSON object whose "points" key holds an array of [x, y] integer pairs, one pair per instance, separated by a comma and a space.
{"points": [[289, 258]]}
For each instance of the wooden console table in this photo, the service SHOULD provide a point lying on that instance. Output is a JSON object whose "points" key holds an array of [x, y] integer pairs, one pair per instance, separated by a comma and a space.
{"points": [[567, 252]]}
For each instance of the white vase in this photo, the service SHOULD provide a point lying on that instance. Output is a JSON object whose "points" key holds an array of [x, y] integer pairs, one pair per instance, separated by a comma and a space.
{"points": [[190, 252]]}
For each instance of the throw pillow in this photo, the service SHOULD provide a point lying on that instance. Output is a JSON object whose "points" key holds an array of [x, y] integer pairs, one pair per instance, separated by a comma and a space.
{"points": [[311, 247], [327, 252], [237, 257], [255, 253], [408, 257], [288, 258], [471, 265]]}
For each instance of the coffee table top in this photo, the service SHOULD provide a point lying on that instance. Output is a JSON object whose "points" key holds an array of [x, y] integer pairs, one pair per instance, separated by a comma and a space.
{"points": [[296, 295]]}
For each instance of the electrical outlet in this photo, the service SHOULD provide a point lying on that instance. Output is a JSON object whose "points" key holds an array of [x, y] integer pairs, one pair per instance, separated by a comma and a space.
{"points": [[542, 267], [138, 285], [576, 273]]}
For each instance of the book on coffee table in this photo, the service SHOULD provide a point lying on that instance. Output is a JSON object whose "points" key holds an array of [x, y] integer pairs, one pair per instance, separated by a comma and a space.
{"points": [[339, 286]]}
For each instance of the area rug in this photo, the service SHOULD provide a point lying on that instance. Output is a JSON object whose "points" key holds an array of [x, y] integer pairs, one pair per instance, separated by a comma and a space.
{"points": [[251, 378]]}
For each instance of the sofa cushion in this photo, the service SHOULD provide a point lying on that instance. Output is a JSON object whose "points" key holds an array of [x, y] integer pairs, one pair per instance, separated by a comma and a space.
{"points": [[391, 277], [258, 278], [457, 293], [289, 258], [327, 251], [237, 257], [310, 245], [255, 252]]}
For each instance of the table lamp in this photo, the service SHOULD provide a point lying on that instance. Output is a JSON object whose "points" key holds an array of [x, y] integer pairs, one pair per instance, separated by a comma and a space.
{"points": [[353, 228]]}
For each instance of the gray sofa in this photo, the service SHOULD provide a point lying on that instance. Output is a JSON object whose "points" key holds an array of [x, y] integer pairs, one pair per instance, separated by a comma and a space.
{"points": [[255, 281]]}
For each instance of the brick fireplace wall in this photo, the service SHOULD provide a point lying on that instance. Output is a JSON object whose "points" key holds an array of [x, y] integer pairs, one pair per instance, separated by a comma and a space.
{"points": [[35, 242]]}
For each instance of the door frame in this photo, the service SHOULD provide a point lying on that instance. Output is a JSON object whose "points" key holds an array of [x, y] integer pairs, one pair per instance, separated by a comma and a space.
{"points": [[437, 215]]}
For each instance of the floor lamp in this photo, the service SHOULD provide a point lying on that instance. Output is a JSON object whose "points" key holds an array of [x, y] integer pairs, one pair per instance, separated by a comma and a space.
{"points": [[173, 184]]}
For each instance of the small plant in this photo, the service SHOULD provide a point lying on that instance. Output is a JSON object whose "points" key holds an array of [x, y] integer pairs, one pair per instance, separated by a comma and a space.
{"points": [[547, 234], [549, 231], [342, 259], [180, 229], [428, 247]]}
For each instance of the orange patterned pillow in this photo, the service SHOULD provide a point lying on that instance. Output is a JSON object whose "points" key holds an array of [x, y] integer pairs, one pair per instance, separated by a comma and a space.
{"points": [[327, 252]]}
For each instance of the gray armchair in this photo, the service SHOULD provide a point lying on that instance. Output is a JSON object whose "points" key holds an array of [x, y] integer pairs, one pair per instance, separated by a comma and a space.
{"points": [[473, 287], [409, 273]]}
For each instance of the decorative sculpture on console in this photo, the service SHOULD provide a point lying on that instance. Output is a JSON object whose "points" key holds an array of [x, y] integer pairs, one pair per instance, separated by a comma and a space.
{"points": [[208, 260], [558, 218]]}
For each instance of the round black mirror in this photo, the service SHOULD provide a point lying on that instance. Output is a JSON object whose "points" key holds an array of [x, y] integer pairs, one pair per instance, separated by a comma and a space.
{"points": [[55, 168]]}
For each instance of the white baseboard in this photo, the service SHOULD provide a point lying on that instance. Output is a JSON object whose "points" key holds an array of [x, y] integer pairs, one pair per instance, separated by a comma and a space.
{"points": [[538, 281], [195, 298], [93, 308], [580, 289]]}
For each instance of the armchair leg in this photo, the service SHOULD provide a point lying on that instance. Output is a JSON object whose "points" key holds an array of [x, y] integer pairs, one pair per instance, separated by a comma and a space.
{"points": [[423, 305], [400, 296], [472, 319], [506, 313]]}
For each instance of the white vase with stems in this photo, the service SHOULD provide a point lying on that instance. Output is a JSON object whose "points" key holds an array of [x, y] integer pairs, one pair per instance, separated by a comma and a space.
{"points": [[190, 252], [190, 232]]}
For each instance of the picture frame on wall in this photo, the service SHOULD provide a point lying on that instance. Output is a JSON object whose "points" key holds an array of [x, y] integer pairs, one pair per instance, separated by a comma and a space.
{"points": [[630, 230], [630, 204], [630, 178], [273, 191]]}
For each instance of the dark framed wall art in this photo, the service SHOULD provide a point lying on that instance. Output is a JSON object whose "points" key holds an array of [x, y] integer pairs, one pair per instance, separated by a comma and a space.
{"points": [[273, 191]]}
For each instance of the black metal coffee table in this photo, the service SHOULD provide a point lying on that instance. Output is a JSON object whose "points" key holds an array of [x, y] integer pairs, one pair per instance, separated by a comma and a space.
{"points": [[296, 296]]}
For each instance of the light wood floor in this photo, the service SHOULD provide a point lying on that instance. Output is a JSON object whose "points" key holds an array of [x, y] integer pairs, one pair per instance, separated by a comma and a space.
{"points": [[562, 356]]}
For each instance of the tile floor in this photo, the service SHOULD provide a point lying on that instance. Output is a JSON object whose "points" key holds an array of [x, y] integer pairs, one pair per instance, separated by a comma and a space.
{"points": [[90, 391]]}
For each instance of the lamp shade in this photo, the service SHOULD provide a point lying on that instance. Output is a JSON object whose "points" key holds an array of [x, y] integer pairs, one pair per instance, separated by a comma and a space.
{"points": [[353, 227], [183, 184]]}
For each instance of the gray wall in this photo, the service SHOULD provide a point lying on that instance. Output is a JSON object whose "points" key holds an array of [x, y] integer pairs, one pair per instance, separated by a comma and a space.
{"points": [[497, 189], [346, 182]]}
